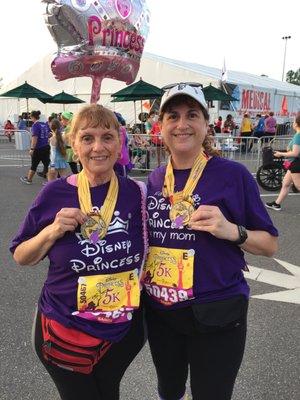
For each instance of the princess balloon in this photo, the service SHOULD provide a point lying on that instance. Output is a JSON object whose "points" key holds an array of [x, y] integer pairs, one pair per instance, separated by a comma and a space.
{"points": [[97, 38]]}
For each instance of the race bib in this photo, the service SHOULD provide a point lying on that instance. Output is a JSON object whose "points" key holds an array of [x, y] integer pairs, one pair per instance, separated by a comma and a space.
{"points": [[168, 274], [108, 298]]}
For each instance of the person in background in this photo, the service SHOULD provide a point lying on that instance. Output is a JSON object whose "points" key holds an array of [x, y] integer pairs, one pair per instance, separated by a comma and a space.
{"points": [[139, 150], [152, 118], [259, 126], [51, 118], [9, 129], [153, 130], [123, 164], [292, 164], [66, 119], [91, 227], [229, 124], [246, 132], [44, 173], [58, 163], [21, 124], [156, 140], [39, 149], [211, 130], [204, 211], [218, 125], [270, 126]]}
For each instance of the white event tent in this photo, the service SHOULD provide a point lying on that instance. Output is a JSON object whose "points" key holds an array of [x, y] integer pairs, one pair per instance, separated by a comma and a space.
{"points": [[154, 69]]}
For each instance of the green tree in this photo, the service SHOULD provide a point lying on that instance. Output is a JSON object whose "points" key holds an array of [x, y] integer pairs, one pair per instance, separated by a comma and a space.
{"points": [[293, 77]]}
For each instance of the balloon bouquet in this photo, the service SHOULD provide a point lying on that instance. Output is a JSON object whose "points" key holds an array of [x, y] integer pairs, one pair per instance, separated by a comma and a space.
{"points": [[97, 38]]}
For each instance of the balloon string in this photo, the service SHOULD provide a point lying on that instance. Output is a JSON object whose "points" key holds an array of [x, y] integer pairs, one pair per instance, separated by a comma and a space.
{"points": [[95, 96]]}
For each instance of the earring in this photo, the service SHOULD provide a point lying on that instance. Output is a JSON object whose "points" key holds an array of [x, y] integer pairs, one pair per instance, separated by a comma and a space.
{"points": [[75, 157]]}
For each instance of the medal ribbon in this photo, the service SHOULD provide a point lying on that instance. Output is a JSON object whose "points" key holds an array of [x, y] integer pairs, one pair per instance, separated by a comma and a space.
{"points": [[186, 193], [85, 201]]}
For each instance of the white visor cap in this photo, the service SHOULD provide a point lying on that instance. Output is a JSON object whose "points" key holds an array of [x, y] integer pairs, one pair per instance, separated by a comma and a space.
{"points": [[184, 89]]}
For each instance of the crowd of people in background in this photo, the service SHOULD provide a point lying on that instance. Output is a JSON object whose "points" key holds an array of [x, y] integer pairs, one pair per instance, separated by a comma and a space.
{"points": [[50, 141], [50, 144], [260, 126]]}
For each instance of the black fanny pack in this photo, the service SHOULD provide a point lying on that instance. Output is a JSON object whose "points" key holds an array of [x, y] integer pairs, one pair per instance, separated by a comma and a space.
{"points": [[220, 314]]}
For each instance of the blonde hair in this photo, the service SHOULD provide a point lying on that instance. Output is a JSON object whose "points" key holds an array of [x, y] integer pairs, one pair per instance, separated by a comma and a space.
{"points": [[92, 116]]}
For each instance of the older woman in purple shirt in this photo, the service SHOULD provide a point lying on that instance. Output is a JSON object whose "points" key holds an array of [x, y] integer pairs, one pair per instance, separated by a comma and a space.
{"points": [[90, 227]]}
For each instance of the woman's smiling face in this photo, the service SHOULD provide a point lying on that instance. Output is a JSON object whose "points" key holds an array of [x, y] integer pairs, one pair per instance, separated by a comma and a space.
{"points": [[183, 128], [98, 150]]}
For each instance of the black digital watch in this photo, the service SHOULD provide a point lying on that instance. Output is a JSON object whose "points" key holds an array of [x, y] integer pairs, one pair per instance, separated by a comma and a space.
{"points": [[243, 235]]}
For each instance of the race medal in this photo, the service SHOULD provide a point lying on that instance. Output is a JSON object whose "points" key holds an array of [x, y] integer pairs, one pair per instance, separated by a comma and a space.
{"points": [[182, 206], [181, 213], [94, 228]]}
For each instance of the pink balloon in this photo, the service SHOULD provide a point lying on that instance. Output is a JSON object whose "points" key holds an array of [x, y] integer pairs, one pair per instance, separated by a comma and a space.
{"points": [[99, 39]]}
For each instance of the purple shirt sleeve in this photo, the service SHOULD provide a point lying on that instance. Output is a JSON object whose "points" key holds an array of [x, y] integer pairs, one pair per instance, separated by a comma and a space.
{"points": [[35, 129], [30, 225], [256, 216]]}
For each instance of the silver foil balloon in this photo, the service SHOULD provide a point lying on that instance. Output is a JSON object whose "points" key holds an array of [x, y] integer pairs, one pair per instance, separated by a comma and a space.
{"points": [[97, 38]]}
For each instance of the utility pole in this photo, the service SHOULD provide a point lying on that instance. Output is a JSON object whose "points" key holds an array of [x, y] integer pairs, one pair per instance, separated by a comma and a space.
{"points": [[283, 68]]}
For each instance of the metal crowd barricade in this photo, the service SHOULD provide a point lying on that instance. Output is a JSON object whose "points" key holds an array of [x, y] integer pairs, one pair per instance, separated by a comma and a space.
{"points": [[145, 152], [280, 142], [146, 155], [17, 149], [245, 150], [248, 150]]}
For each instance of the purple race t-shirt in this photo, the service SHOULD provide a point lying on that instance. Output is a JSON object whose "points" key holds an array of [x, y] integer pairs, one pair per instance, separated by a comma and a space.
{"points": [[72, 256], [214, 266], [41, 130]]}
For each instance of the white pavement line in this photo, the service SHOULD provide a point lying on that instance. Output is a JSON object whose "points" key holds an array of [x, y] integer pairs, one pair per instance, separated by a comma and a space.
{"points": [[15, 165], [273, 278], [253, 273], [278, 279], [276, 194], [286, 296], [293, 269]]}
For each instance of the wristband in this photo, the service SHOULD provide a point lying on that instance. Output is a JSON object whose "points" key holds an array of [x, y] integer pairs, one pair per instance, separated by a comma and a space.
{"points": [[243, 235]]}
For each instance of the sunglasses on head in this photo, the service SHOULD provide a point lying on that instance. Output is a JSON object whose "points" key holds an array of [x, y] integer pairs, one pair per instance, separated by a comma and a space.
{"points": [[182, 85]]}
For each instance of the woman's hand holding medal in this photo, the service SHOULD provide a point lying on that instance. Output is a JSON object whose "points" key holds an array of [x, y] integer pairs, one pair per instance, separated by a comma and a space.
{"points": [[67, 220], [210, 219]]}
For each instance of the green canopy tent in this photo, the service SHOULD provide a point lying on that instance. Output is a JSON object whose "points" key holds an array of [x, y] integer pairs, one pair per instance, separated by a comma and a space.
{"points": [[27, 91], [212, 93], [141, 90], [138, 91], [124, 98], [63, 98]]}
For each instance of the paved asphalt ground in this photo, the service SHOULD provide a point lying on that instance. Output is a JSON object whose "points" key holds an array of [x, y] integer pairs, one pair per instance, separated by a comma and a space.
{"points": [[270, 369]]}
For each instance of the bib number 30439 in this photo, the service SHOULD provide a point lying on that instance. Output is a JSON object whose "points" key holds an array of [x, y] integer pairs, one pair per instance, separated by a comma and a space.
{"points": [[168, 274]]}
